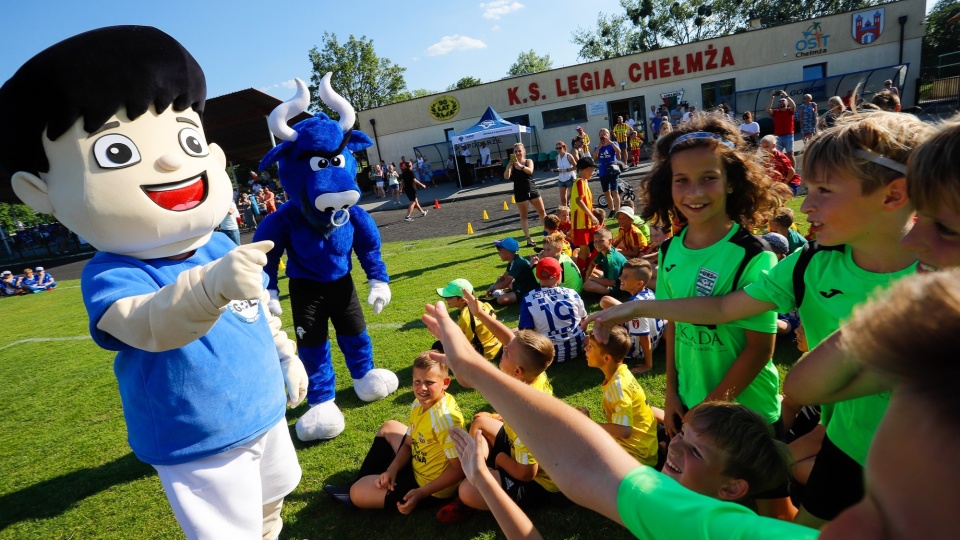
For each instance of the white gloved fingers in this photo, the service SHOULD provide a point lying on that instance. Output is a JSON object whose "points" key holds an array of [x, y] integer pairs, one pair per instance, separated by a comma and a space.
{"points": [[295, 379], [273, 305]]}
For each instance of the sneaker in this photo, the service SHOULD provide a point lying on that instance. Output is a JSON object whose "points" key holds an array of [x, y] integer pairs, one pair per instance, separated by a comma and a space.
{"points": [[340, 493], [424, 213], [455, 512], [408, 218]]}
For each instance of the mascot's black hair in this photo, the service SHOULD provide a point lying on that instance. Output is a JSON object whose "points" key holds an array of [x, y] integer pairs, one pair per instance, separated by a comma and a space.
{"points": [[92, 75]]}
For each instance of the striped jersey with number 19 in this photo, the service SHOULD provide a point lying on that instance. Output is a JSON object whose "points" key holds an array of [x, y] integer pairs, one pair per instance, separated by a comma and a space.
{"points": [[556, 312]]}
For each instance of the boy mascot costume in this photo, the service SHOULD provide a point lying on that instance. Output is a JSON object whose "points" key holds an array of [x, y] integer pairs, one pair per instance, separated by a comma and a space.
{"points": [[103, 131], [319, 228]]}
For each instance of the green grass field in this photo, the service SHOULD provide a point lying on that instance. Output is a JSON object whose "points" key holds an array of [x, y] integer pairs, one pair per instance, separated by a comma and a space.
{"points": [[66, 470]]}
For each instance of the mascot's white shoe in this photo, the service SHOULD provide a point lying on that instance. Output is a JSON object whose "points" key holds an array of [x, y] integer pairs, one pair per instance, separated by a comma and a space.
{"points": [[322, 421], [376, 384]]}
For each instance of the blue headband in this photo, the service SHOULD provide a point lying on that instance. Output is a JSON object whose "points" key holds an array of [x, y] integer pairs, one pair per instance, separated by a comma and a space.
{"points": [[700, 135]]}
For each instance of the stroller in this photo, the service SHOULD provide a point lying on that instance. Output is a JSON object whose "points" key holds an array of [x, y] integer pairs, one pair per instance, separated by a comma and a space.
{"points": [[627, 193]]}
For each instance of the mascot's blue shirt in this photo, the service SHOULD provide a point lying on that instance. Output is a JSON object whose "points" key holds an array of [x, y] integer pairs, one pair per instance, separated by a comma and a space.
{"points": [[312, 255], [220, 391]]}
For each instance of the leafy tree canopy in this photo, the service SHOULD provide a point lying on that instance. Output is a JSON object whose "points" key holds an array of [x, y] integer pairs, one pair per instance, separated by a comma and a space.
{"points": [[529, 62], [941, 36], [465, 82]]}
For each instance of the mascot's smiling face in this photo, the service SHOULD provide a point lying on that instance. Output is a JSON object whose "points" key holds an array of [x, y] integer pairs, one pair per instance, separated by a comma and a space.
{"points": [[150, 187]]}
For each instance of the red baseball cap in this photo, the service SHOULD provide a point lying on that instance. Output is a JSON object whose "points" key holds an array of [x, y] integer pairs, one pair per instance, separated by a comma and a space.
{"points": [[549, 268]]}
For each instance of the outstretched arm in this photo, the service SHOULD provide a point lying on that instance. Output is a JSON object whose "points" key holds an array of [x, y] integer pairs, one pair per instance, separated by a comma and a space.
{"points": [[830, 373], [588, 467], [502, 332], [695, 310]]}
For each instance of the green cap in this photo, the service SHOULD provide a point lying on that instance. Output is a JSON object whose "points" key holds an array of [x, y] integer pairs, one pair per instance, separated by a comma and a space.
{"points": [[455, 288]]}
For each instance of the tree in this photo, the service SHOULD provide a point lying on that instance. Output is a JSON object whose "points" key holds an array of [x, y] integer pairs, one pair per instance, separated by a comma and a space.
{"points": [[411, 94], [647, 24], [359, 75], [529, 62], [465, 82], [942, 36]]}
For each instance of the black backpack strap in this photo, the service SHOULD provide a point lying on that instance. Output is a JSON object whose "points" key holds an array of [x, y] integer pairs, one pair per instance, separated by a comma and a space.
{"points": [[752, 246], [806, 255], [664, 246], [477, 344]]}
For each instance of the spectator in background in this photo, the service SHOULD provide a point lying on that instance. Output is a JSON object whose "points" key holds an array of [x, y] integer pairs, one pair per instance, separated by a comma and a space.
{"points": [[229, 225], [779, 167], [889, 87], [450, 168], [836, 108], [783, 121], [586, 139], [578, 149], [8, 284], [750, 129], [269, 200], [655, 122], [44, 280], [28, 282], [807, 114]]}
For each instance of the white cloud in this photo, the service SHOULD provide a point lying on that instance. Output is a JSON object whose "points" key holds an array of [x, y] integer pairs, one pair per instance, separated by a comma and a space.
{"points": [[286, 88], [495, 28], [448, 44], [499, 8]]}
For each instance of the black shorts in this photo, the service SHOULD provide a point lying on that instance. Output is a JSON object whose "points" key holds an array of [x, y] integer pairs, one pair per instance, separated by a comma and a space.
{"points": [[835, 484], [521, 196], [314, 304], [525, 494], [411, 194]]}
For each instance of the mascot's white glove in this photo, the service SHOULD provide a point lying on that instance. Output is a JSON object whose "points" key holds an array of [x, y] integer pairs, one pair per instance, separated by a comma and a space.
{"points": [[295, 379], [238, 275], [379, 295], [274, 304]]}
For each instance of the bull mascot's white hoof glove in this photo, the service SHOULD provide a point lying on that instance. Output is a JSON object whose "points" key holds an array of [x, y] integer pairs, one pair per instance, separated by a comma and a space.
{"points": [[379, 297], [377, 384], [274, 304], [322, 421], [295, 379]]}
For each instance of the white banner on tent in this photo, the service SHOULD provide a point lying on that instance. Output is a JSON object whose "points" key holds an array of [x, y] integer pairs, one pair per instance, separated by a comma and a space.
{"points": [[492, 132]]}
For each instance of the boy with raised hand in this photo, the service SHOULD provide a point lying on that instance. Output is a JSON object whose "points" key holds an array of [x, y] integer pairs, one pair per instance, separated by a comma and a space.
{"points": [[603, 274], [644, 332], [526, 357], [407, 464], [518, 280], [630, 419], [859, 209], [479, 335], [554, 311]]}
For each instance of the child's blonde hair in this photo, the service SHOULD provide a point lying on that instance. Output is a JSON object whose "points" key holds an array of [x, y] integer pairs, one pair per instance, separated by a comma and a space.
{"points": [[617, 346], [603, 232], [933, 172], [872, 147], [426, 363], [749, 199], [641, 268], [536, 352], [909, 332], [556, 239], [746, 441], [563, 208]]}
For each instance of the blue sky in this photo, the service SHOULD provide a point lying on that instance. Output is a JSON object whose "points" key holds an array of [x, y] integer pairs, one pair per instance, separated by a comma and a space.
{"points": [[257, 44]]}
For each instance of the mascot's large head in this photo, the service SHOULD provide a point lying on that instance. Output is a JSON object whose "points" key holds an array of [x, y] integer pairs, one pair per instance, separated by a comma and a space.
{"points": [[103, 131], [317, 167]]}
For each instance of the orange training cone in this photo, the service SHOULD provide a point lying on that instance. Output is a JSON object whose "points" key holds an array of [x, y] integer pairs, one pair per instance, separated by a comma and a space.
{"points": [[485, 216], [469, 228], [505, 207], [436, 204]]}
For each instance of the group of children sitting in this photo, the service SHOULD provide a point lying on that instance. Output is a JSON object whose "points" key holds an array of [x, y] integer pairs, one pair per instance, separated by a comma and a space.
{"points": [[870, 179], [33, 280]]}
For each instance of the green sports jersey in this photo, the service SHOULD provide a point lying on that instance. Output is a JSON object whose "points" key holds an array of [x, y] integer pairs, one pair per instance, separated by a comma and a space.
{"points": [[833, 286], [652, 505], [704, 353]]}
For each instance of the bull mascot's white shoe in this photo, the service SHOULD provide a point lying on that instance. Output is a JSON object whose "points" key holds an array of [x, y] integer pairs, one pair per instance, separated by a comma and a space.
{"points": [[377, 384], [323, 421]]}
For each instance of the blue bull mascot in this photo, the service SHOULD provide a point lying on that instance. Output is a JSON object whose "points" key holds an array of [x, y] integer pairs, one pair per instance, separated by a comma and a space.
{"points": [[319, 228]]}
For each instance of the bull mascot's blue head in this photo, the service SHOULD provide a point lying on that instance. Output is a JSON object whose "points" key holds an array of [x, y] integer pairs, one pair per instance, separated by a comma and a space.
{"points": [[315, 159]]}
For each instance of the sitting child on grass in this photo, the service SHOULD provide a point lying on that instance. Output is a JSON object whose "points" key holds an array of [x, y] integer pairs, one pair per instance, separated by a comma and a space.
{"points": [[554, 311], [526, 356], [629, 418], [553, 247], [479, 335], [603, 274], [413, 463], [518, 280], [630, 240], [644, 332]]}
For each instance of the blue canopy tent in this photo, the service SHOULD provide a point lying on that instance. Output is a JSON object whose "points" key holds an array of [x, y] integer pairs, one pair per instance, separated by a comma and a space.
{"points": [[490, 125]]}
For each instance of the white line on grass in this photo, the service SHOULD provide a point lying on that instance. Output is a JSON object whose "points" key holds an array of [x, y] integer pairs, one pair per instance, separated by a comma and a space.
{"points": [[43, 340]]}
